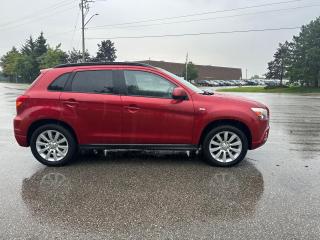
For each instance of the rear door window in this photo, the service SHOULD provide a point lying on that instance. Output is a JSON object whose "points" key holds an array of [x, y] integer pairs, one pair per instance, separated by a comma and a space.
{"points": [[100, 81]]}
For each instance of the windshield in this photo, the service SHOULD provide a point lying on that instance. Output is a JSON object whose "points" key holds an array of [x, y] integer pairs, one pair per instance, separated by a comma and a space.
{"points": [[182, 81]]}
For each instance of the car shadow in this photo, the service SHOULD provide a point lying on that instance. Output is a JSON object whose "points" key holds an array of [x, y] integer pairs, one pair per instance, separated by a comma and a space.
{"points": [[136, 157]]}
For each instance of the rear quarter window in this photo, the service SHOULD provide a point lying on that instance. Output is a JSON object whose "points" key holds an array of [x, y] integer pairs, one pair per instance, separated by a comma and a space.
{"points": [[59, 83]]}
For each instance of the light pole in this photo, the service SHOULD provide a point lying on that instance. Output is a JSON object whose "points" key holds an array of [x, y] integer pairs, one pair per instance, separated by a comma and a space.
{"points": [[187, 67]]}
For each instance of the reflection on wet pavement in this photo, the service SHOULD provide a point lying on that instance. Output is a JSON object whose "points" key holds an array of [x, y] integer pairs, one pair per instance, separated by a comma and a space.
{"points": [[124, 193], [273, 194]]}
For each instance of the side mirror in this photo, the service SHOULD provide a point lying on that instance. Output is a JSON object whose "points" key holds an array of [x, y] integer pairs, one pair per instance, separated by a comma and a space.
{"points": [[179, 94]]}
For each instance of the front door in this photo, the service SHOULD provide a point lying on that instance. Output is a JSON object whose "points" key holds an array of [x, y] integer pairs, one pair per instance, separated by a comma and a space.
{"points": [[150, 114]]}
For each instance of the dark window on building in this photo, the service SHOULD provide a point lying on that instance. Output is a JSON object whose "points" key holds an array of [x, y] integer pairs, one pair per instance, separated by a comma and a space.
{"points": [[59, 83], [148, 85], [93, 82]]}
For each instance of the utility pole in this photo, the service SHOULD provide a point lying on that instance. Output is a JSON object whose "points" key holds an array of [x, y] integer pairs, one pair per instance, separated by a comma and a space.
{"points": [[246, 73], [84, 7], [82, 28], [187, 66]]}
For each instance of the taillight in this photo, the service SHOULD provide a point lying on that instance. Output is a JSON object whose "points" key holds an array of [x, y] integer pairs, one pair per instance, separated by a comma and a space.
{"points": [[20, 101]]}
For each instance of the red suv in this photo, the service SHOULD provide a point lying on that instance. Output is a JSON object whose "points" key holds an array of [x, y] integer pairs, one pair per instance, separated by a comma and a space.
{"points": [[133, 106]]}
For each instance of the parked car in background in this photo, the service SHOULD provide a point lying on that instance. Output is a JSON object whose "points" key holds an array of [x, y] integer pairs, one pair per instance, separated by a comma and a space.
{"points": [[133, 106], [242, 83], [252, 82], [233, 82], [255, 82], [214, 83], [226, 83], [220, 82], [204, 83], [272, 82], [260, 82]]}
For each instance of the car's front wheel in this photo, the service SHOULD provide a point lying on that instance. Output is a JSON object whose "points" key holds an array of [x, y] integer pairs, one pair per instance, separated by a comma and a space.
{"points": [[53, 145], [225, 146]]}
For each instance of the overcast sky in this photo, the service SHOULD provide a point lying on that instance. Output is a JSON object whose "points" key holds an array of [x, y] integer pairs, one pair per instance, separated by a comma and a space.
{"points": [[60, 22]]}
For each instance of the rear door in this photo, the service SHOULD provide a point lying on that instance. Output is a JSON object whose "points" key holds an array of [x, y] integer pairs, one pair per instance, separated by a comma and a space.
{"points": [[150, 114], [93, 105]]}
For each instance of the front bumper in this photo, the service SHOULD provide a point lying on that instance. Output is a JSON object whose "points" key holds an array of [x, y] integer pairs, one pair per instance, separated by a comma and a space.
{"points": [[262, 140]]}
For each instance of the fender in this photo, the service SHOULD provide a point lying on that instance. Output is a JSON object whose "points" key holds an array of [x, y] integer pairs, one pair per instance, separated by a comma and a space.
{"points": [[207, 118]]}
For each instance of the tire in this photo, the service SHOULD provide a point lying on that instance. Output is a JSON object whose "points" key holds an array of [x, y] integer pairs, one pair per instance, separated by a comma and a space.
{"points": [[62, 150], [225, 153]]}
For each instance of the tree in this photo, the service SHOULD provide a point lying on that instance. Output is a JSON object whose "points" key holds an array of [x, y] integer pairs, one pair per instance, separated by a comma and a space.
{"points": [[41, 46], [24, 68], [75, 56], [53, 57], [106, 52], [299, 60], [277, 68], [305, 64], [2, 77], [29, 47], [8, 63], [192, 72], [17, 66], [29, 50], [24, 65]]}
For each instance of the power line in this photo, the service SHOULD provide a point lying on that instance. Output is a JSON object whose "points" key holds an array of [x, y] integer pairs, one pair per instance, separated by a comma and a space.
{"points": [[36, 18], [197, 34], [34, 14], [201, 19], [75, 28], [197, 14], [206, 19]]}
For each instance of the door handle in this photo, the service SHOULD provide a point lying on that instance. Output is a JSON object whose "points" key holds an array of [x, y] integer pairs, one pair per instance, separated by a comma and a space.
{"points": [[132, 108], [70, 102]]}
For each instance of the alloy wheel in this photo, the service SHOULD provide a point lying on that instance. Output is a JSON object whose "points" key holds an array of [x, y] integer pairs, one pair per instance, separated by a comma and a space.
{"points": [[225, 146], [52, 145]]}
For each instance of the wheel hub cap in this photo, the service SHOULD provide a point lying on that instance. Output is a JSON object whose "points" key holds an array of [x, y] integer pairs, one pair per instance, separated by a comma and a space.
{"points": [[225, 146]]}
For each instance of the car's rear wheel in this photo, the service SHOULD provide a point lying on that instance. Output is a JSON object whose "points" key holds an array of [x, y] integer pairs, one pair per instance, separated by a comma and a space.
{"points": [[225, 146], [53, 145]]}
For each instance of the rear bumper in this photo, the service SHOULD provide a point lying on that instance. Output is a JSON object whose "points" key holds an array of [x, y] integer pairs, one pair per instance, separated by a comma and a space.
{"points": [[19, 134], [262, 140], [22, 140]]}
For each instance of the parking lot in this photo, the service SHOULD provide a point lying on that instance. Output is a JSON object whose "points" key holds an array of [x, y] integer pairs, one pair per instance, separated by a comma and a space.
{"points": [[273, 194]]}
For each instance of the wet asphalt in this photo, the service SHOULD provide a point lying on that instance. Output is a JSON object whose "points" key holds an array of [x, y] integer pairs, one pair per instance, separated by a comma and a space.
{"points": [[273, 194]]}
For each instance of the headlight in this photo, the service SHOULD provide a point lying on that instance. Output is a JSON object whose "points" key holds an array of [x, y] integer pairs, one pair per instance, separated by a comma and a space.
{"points": [[261, 113]]}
